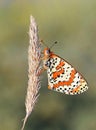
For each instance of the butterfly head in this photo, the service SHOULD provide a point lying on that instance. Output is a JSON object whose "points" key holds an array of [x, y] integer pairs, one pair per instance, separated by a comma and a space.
{"points": [[47, 52]]}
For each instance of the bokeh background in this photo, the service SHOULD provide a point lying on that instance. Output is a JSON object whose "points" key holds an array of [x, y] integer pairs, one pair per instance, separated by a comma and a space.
{"points": [[73, 24]]}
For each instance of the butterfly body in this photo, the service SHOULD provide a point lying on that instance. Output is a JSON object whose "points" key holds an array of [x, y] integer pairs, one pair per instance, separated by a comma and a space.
{"points": [[62, 76]]}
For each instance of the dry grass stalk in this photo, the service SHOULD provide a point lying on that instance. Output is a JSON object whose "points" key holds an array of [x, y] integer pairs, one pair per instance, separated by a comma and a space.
{"points": [[34, 54]]}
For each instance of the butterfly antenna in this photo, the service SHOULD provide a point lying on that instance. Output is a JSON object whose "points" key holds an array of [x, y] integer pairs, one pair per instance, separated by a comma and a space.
{"points": [[53, 44], [43, 43]]}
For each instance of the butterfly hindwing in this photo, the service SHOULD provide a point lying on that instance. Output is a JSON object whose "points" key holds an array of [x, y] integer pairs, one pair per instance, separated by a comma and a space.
{"points": [[62, 77]]}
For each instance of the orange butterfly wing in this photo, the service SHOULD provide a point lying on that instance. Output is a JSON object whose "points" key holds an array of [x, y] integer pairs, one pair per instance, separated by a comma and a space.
{"points": [[62, 77]]}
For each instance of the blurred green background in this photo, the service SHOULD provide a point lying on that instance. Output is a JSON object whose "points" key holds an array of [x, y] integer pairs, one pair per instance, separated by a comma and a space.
{"points": [[73, 24]]}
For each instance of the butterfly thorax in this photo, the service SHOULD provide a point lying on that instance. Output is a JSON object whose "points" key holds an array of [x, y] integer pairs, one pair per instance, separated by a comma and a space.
{"points": [[46, 58]]}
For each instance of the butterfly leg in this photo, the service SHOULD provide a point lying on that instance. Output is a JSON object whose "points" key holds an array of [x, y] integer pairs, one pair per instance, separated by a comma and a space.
{"points": [[41, 70]]}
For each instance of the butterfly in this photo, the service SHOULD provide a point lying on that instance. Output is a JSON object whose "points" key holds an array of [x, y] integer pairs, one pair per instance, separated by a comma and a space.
{"points": [[62, 76]]}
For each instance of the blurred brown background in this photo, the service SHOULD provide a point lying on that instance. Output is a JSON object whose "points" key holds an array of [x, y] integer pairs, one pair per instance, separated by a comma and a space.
{"points": [[73, 24]]}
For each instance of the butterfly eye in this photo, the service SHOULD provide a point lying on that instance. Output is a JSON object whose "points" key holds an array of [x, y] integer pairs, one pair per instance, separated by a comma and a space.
{"points": [[48, 51]]}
